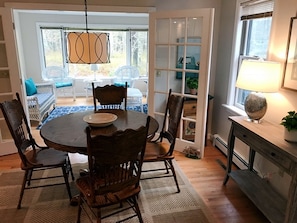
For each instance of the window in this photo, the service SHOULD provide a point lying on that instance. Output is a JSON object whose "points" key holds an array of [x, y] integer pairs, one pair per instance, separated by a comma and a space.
{"points": [[52, 47], [256, 23], [127, 47]]}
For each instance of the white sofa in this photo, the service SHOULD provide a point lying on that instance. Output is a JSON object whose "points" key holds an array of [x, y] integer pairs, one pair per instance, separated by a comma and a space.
{"points": [[40, 103]]}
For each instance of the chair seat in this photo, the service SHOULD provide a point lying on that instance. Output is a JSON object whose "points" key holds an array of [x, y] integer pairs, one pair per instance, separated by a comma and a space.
{"points": [[121, 84], [45, 158], [105, 199], [155, 151], [42, 98], [134, 97], [63, 84]]}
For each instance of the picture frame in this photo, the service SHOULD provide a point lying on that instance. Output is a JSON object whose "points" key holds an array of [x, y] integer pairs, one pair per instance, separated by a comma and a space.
{"points": [[290, 68]]}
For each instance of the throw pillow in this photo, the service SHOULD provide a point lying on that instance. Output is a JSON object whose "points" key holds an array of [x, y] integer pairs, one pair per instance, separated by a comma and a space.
{"points": [[30, 87]]}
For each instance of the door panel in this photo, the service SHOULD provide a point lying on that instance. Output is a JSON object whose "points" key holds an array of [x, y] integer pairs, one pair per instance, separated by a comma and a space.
{"points": [[180, 46]]}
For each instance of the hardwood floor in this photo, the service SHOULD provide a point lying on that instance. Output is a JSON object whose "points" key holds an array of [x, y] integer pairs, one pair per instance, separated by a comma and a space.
{"points": [[227, 203]]}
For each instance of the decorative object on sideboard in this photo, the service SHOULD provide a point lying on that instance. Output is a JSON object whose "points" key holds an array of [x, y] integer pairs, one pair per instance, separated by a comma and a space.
{"points": [[290, 124], [258, 76], [192, 83]]}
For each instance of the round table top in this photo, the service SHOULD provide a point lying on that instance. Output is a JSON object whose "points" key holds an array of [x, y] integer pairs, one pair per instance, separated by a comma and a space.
{"points": [[67, 133]]}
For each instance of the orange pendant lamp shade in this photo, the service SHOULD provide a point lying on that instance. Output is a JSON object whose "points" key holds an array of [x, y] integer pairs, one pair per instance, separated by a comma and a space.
{"points": [[88, 48]]}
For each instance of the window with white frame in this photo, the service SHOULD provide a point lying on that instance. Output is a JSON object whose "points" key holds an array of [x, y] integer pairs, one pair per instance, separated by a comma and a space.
{"points": [[256, 18], [127, 47]]}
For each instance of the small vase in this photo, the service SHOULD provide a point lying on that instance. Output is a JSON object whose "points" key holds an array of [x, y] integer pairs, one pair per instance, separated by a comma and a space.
{"points": [[290, 136], [193, 91]]}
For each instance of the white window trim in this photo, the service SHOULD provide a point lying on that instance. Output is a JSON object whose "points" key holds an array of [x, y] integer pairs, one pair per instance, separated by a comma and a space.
{"points": [[234, 110], [235, 49], [231, 97]]}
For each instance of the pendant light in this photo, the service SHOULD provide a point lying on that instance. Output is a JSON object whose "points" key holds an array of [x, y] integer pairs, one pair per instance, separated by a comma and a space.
{"points": [[88, 48]]}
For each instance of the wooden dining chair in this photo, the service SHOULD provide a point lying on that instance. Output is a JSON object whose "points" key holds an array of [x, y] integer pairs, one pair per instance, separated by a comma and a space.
{"points": [[110, 96], [115, 164], [33, 157], [160, 150]]}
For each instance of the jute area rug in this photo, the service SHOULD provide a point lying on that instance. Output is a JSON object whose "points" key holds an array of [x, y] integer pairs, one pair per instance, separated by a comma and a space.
{"points": [[158, 201]]}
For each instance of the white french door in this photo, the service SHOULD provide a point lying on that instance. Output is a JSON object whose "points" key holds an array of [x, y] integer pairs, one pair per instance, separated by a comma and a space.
{"points": [[180, 48]]}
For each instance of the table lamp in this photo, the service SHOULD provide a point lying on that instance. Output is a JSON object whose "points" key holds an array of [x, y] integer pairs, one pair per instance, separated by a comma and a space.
{"points": [[258, 76], [94, 68]]}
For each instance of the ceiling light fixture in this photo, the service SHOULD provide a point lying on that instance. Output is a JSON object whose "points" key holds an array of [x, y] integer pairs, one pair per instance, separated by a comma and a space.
{"points": [[88, 48]]}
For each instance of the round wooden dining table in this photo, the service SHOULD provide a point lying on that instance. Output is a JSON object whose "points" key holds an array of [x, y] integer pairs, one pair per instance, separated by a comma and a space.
{"points": [[67, 133]]}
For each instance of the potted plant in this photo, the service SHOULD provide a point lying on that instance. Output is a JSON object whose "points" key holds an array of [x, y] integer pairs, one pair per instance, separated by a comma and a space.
{"points": [[192, 83], [290, 124]]}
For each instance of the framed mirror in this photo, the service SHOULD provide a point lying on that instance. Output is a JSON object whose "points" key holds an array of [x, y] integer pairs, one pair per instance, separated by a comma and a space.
{"points": [[290, 68]]}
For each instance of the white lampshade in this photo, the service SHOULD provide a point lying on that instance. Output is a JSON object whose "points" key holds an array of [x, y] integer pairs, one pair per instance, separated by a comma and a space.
{"points": [[88, 48], [259, 76]]}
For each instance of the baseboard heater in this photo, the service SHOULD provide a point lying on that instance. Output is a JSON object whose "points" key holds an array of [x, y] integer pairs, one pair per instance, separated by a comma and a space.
{"points": [[219, 143]]}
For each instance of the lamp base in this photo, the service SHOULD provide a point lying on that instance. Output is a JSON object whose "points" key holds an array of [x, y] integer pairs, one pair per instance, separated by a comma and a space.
{"points": [[255, 106]]}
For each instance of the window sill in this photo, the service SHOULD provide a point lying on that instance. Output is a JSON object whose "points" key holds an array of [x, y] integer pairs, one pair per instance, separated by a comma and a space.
{"points": [[234, 110]]}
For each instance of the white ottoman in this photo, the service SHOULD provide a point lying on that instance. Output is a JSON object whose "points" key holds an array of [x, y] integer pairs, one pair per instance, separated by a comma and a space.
{"points": [[134, 98]]}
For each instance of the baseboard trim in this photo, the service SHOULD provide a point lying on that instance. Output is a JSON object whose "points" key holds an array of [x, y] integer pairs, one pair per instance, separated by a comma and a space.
{"points": [[219, 143]]}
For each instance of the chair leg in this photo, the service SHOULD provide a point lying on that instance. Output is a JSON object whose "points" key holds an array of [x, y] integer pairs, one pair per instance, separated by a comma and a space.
{"points": [[23, 189], [73, 93], [98, 215], [29, 176], [64, 169], [79, 209], [71, 172], [174, 174], [166, 166], [70, 169], [137, 210]]}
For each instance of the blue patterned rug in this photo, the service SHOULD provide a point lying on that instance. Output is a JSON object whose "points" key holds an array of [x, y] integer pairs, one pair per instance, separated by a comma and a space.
{"points": [[64, 110]]}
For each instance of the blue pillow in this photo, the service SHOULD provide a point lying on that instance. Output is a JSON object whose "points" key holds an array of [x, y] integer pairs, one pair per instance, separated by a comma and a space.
{"points": [[30, 87]]}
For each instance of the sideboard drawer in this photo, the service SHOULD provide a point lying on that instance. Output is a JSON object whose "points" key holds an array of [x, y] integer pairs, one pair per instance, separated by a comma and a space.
{"points": [[276, 157], [241, 133], [264, 148]]}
